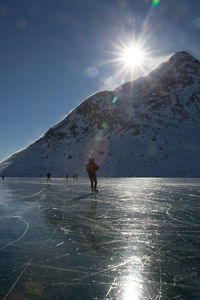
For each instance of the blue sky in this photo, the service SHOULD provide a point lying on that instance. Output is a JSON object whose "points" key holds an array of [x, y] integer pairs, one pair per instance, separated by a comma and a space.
{"points": [[56, 53]]}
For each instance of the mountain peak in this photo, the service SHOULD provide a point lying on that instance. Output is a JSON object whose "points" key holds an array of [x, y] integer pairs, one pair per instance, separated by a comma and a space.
{"points": [[149, 127], [181, 68], [182, 56]]}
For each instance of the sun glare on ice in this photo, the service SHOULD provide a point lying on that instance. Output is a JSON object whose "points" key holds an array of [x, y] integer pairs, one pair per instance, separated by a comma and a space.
{"points": [[131, 291]]}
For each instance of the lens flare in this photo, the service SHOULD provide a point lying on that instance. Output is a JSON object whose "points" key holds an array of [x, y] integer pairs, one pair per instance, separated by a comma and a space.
{"points": [[114, 99], [96, 148], [196, 23], [92, 71], [3, 10], [21, 23], [35, 10], [104, 125], [34, 288], [155, 3]]}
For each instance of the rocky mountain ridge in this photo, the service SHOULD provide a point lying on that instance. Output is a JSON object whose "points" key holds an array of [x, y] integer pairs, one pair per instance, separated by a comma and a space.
{"points": [[146, 127]]}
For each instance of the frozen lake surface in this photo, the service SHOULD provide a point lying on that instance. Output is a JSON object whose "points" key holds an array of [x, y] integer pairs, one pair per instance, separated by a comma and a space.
{"points": [[137, 239]]}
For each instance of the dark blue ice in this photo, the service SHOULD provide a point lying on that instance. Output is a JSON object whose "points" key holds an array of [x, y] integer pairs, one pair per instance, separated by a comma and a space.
{"points": [[137, 239]]}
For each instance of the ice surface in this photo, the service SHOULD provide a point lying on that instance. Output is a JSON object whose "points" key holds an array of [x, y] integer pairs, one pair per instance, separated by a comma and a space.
{"points": [[135, 239]]}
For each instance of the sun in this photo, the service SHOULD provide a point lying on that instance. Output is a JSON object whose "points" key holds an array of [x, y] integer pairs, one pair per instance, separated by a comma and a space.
{"points": [[132, 56]]}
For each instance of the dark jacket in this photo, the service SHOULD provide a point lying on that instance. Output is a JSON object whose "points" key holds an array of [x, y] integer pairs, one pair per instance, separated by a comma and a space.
{"points": [[92, 167]]}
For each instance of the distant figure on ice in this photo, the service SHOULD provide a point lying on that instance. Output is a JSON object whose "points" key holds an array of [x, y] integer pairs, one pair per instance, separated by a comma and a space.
{"points": [[3, 177], [66, 176], [48, 176], [91, 169]]}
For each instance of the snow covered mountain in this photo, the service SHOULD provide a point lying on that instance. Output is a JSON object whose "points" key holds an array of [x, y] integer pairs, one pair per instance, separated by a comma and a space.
{"points": [[146, 127]]}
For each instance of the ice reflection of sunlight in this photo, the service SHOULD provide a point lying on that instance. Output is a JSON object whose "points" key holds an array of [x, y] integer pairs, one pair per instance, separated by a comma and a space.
{"points": [[132, 289]]}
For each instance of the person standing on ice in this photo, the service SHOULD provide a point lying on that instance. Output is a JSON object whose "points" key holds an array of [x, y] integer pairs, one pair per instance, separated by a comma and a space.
{"points": [[48, 176], [91, 169]]}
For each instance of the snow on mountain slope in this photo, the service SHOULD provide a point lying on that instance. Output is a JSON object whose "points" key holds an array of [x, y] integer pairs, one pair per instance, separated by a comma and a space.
{"points": [[146, 127]]}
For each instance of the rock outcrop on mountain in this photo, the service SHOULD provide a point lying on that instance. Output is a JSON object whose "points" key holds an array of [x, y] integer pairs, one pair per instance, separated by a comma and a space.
{"points": [[147, 127]]}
